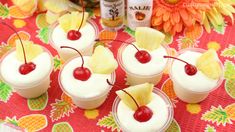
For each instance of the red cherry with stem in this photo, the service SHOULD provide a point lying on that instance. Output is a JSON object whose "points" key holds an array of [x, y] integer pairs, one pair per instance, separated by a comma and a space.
{"points": [[76, 34], [189, 68], [141, 55], [143, 113], [80, 73], [27, 67]]}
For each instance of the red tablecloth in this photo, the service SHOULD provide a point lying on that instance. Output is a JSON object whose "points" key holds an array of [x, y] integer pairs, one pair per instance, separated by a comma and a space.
{"points": [[54, 110]]}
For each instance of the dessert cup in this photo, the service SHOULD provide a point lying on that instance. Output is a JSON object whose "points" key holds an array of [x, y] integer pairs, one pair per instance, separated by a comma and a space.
{"points": [[162, 114], [192, 89], [31, 85], [138, 73], [58, 38], [88, 94]]}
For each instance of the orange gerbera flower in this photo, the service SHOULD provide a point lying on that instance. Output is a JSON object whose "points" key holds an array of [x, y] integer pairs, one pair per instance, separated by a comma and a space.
{"points": [[172, 16]]}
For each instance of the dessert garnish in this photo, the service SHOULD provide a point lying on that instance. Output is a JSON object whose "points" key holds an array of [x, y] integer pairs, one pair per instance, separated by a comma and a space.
{"points": [[33, 50], [70, 22], [189, 68], [80, 73], [136, 98], [141, 55], [148, 38], [102, 61], [208, 64]]}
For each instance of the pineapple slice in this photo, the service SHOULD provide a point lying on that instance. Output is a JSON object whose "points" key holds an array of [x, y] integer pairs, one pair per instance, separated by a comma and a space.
{"points": [[31, 50], [148, 38], [208, 64], [141, 93], [57, 6], [102, 61], [51, 17], [72, 21]]}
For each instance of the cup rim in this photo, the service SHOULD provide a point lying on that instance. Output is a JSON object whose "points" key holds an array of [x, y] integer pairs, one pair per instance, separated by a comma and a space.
{"points": [[200, 50], [55, 24], [157, 91], [120, 61], [38, 82], [113, 79]]}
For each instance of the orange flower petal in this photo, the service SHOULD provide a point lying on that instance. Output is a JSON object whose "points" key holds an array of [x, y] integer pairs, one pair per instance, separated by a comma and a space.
{"points": [[157, 21], [167, 26], [184, 15], [176, 17], [166, 16], [160, 11]]}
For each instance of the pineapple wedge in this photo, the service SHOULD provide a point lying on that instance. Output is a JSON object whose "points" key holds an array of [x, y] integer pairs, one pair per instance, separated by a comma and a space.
{"points": [[141, 93], [208, 64], [148, 38], [31, 50], [102, 61], [57, 6], [72, 21]]}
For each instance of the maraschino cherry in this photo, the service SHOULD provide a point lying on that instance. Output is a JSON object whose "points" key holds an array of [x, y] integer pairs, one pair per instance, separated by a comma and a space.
{"points": [[76, 34], [143, 113], [80, 73], [189, 68], [141, 55], [27, 67]]}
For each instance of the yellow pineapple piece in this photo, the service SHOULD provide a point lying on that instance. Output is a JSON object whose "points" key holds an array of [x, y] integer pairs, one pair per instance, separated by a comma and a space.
{"points": [[102, 61], [141, 93], [208, 64], [148, 38], [72, 21], [31, 50], [33, 122], [57, 6], [51, 17]]}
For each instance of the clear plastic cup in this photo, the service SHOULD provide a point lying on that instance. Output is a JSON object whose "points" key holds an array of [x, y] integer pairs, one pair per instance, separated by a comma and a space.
{"points": [[186, 94], [66, 54], [35, 89], [135, 79], [91, 102], [159, 93]]}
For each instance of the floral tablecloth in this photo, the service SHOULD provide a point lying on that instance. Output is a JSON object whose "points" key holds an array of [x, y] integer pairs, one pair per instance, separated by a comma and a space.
{"points": [[54, 111]]}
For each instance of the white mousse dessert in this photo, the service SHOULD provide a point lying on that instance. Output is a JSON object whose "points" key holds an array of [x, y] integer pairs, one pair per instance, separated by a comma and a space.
{"points": [[194, 88], [159, 104], [59, 36], [93, 91], [34, 83]]}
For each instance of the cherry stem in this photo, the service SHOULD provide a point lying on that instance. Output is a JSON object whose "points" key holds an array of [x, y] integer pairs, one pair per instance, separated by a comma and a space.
{"points": [[25, 61], [118, 41], [124, 92], [76, 51], [176, 59], [83, 13]]}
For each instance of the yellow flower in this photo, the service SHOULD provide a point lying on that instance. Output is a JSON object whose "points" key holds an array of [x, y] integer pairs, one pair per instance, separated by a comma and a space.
{"points": [[19, 23], [193, 108], [213, 45], [91, 114]]}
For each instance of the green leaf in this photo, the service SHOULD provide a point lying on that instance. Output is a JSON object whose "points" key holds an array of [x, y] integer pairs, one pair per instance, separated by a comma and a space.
{"points": [[230, 87], [5, 92], [62, 127], [129, 31], [57, 63], [13, 120], [38, 103], [108, 122], [210, 129], [229, 72], [217, 115], [174, 127], [229, 52], [220, 28], [43, 35], [41, 21], [90, 11], [4, 11]]}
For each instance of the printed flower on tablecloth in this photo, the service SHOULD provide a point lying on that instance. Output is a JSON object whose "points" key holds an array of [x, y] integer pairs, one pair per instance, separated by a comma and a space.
{"points": [[91, 114], [108, 122], [62, 127], [220, 115], [229, 75], [172, 16], [210, 129], [4, 11], [57, 63], [214, 45], [62, 107], [193, 108], [41, 21], [19, 23], [31, 123], [39, 103], [5, 92], [186, 42], [229, 52], [168, 89], [174, 127]]}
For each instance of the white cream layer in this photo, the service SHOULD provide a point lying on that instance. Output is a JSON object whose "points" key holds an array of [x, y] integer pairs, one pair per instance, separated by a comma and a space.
{"points": [[198, 82], [158, 120], [9, 69], [95, 86], [155, 66]]}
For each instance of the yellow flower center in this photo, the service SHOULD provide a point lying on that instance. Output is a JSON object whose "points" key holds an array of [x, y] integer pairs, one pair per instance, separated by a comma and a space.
{"points": [[172, 1]]}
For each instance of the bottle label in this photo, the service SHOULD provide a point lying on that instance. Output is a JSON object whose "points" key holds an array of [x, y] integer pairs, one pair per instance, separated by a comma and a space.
{"points": [[112, 10], [139, 13]]}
